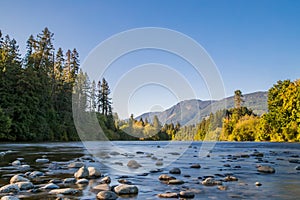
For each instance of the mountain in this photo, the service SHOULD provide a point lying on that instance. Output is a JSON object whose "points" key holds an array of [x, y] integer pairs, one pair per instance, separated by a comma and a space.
{"points": [[193, 111]]}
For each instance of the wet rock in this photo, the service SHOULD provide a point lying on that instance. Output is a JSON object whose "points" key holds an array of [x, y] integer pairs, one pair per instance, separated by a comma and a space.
{"points": [[94, 172], [24, 185], [75, 165], [266, 169], [107, 195], [102, 187], [196, 166], [175, 182], [119, 163], [257, 183], [106, 180], [35, 174], [139, 152], [257, 154], [175, 153], [294, 161], [230, 178], [186, 194], [24, 167], [42, 160], [9, 198], [18, 178], [211, 182], [82, 181], [222, 187], [168, 195], [124, 181], [69, 180], [50, 186], [83, 172], [227, 165], [155, 170], [297, 167], [133, 164], [175, 170], [56, 181], [114, 153], [64, 191], [165, 177], [10, 188], [124, 189], [16, 163]]}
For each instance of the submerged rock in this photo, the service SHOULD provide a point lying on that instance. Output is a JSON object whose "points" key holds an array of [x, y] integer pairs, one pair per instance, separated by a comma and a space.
{"points": [[124, 189], [211, 182], [230, 178], [83, 172], [186, 194], [42, 160], [175, 182], [266, 169], [165, 177], [133, 164], [107, 195], [175, 170]]}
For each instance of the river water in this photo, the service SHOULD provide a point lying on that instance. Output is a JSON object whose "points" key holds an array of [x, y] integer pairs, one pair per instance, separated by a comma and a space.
{"points": [[238, 159]]}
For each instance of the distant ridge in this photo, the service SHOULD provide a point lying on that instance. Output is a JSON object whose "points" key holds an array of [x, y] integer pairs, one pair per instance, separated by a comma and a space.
{"points": [[193, 111]]}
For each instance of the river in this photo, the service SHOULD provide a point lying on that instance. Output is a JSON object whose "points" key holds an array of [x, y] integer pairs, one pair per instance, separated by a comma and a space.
{"points": [[217, 160]]}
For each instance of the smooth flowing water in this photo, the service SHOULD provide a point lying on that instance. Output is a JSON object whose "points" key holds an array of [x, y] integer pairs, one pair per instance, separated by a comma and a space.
{"points": [[218, 160]]}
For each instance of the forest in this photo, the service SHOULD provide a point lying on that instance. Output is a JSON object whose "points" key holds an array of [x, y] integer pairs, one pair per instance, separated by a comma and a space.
{"points": [[36, 103]]}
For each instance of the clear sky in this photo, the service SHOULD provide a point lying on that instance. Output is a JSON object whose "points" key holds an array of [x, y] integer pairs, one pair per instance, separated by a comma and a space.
{"points": [[253, 43]]}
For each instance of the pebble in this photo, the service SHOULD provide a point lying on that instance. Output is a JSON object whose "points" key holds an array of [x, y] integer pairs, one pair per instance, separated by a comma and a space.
{"points": [[82, 181], [35, 174], [133, 164], [196, 166], [9, 198], [107, 195], [64, 191], [211, 182], [75, 165], [257, 183], [83, 172], [18, 178], [10, 188], [165, 177], [50, 186], [186, 194], [222, 187], [102, 187], [94, 172], [266, 169], [168, 195], [297, 167], [24, 185], [106, 180], [230, 178], [69, 180], [42, 160], [16, 163], [175, 182]]}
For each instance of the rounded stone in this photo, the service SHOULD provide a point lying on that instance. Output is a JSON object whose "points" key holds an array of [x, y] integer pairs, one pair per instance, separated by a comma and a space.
{"points": [[168, 195], [18, 178], [175, 170], [186, 194], [107, 195], [266, 169], [124, 189], [133, 164], [83, 172]]}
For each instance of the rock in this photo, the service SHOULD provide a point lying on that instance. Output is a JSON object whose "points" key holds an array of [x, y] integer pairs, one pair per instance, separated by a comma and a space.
{"points": [[186, 194], [18, 178], [83, 172], [165, 177], [69, 180], [133, 164], [10, 188], [107, 195], [94, 172], [297, 167], [175, 170], [257, 154], [50, 186], [24, 185], [16, 163], [266, 169], [42, 160], [75, 165], [9, 198], [24, 167], [222, 187], [257, 183], [230, 178], [64, 191], [168, 195], [124, 181], [102, 187], [82, 181], [294, 161], [106, 180], [124, 189], [35, 174], [114, 153], [175, 182], [159, 163], [196, 166], [211, 182], [56, 181], [227, 165]]}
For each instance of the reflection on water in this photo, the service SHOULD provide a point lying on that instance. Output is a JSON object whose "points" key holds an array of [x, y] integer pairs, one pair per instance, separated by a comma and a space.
{"points": [[226, 158]]}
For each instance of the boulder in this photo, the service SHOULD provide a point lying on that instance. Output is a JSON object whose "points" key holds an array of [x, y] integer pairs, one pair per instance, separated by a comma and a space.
{"points": [[266, 169], [18, 178], [107, 195], [94, 172], [83, 172], [124, 189], [64, 191], [24, 185], [133, 164], [50, 186], [175, 170], [10, 188], [168, 195]]}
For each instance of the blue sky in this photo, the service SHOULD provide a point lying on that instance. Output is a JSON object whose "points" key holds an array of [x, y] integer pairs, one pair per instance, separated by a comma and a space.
{"points": [[253, 43]]}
